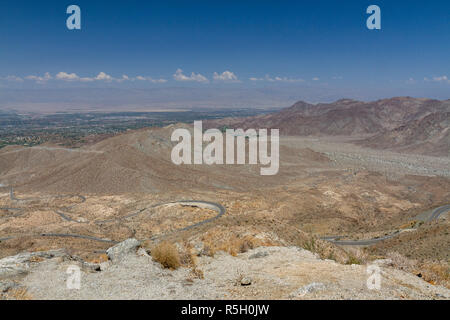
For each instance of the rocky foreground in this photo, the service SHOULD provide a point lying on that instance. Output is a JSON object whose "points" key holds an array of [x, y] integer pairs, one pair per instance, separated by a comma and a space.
{"points": [[261, 273]]}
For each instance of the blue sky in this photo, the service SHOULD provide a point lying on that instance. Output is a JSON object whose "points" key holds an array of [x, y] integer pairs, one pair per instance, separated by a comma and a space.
{"points": [[246, 43]]}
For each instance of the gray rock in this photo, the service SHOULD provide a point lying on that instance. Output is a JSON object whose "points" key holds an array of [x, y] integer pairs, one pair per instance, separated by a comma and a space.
{"points": [[142, 252], [21, 263], [198, 248], [258, 255], [246, 281], [6, 285], [12, 271], [384, 262], [90, 267], [122, 249], [309, 288], [105, 265]]}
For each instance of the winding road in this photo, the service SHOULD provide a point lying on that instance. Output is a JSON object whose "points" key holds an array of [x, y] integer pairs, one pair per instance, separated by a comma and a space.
{"points": [[435, 214], [192, 203]]}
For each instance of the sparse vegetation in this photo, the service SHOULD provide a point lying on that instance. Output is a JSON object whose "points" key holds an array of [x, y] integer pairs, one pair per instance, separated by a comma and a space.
{"points": [[434, 272], [20, 293], [356, 255], [167, 255], [231, 243], [310, 245], [100, 258]]}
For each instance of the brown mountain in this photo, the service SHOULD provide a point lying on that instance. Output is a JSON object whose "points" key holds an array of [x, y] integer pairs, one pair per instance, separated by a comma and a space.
{"points": [[403, 123], [343, 117], [428, 135], [136, 161]]}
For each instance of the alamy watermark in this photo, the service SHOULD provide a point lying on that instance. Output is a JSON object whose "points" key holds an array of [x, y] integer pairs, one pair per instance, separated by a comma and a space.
{"points": [[374, 20], [374, 279], [213, 153], [73, 22], [73, 281]]}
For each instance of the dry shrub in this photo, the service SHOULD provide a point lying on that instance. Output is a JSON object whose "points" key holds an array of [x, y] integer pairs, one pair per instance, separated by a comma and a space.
{"points": [[434, 272], [324, 249], [167, 255], [408, 225], [437, 272], [401, 262], [231, 243], [17, 294], [197, 273], [36, 259], [99, 259], [356, 255], [190, 259]]}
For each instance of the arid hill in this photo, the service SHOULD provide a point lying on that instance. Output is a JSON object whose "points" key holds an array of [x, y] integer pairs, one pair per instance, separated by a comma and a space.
{"points": [[410, 124], [137, 161], [429, 135]]}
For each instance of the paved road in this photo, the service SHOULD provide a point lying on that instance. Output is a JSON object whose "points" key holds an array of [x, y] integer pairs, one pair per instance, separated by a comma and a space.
{"points": [[435, 214], [438, 212], [64, 215]]}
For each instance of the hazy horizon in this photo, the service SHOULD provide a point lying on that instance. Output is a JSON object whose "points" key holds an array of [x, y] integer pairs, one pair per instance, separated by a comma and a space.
{"points": [[175, 54]]}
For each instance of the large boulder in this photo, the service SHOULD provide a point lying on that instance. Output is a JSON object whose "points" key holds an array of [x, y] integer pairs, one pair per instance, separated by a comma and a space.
{"points": [[122, 249], [21, 263]]}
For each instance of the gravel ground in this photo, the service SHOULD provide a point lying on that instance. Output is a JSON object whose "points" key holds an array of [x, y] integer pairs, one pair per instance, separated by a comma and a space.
{"points": [[268, 272], [137, 277], [345, 154]]}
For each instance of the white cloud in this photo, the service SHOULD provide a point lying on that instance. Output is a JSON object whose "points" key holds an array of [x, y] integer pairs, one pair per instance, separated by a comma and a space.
{"points": [[124, 78], [13, 79], [104, 77], [149, 79], [276, 79], [86, 79], [157, 80], [226, 76], [73, 77], [443, 78], [67, 76], [39, 79], [179, 76], [315, 79]]}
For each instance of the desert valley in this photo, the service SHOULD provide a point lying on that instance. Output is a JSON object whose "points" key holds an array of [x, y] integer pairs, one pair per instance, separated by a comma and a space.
{"points": [[359, 184]]}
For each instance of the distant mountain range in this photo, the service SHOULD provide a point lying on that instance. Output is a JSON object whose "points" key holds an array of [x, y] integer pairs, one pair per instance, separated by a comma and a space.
{"points": [[402, 123]]}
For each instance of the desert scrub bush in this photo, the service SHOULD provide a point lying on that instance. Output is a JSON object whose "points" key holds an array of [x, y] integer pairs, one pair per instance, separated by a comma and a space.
{"points": [[356, 256], [353, 260], [99, 259], [167, 255], [17, 294], [233, 244], [438, 273], [310, 245], [434, 272], [324, 249], [197, 273], [401, 262]]}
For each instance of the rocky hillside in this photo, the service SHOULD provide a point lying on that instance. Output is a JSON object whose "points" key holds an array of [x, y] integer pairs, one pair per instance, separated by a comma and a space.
{"points": [[404, 123], [428, 135], [261, 273], [138, 161]]}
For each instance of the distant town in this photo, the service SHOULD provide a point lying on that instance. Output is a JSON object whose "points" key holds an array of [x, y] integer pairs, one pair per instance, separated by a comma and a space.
{"points": [[77, 129]]}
